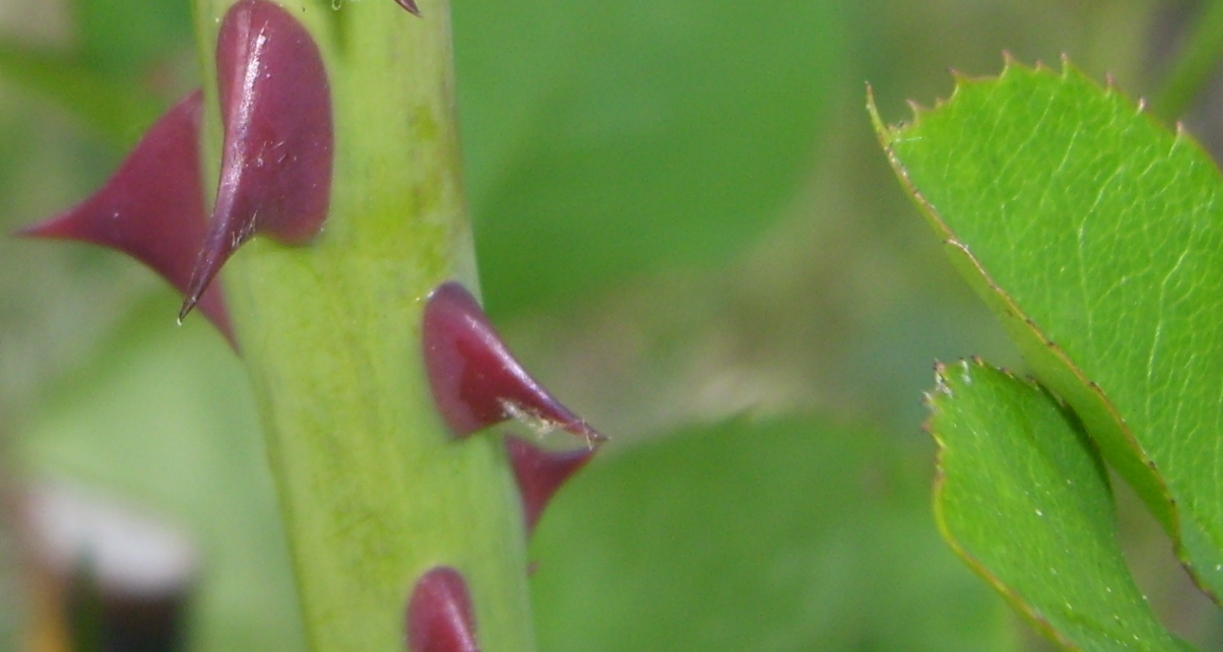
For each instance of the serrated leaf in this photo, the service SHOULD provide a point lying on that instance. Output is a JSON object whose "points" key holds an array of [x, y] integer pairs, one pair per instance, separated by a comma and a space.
{"points": [[1024, 499], [781, 535], [1094, 232], [622, 137]]}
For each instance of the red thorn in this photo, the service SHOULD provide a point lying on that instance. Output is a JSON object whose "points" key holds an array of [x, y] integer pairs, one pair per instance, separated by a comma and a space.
{"points": [[152, 208], [540, 473], [439, 614], [277, 155], [476, 381], [410, 5]]}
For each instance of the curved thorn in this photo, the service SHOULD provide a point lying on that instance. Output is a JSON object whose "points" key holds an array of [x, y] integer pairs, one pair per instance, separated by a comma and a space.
{"points": [[476, 381], [540, 474], [152, 208], [277, 156], [439, 614]]}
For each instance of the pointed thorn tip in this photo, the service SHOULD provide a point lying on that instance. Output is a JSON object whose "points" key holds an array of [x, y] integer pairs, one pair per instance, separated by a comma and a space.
{"points": [[475, 380], [410, 5]]}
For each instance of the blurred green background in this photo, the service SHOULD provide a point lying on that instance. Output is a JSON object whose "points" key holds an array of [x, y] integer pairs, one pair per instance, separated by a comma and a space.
{"points": [[685, 228]]}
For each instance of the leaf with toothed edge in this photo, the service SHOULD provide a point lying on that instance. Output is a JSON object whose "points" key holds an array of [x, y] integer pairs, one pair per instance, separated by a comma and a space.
{"points": [[439, 614], [475, 380], [1093, 231], [1024, 499], [277, 156], [152, 208]]}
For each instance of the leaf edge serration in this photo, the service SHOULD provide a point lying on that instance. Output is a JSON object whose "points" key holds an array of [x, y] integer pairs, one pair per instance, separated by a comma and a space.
{"points": [[1049, 362]]}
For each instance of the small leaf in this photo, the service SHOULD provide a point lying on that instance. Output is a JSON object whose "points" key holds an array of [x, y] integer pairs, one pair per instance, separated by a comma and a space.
{"points": [[1094, 232], [1024, 499]]}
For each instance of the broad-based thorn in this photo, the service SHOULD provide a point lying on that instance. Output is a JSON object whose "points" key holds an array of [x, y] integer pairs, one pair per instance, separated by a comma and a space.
{"points": [[152, 208], [276, 159], [540, 474], [410, 5], [439, 614], [476, 381]]}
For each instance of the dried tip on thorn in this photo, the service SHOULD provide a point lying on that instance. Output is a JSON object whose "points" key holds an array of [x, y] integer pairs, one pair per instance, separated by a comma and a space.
{"points": [[439, 614], [476, 381], [540, 474], [152, 208], [276, 158], [410, 5]]}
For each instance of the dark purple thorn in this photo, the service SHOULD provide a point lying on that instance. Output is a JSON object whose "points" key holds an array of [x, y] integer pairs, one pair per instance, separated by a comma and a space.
{"points": [[540, 473], [410, 5], [152, 208], [476, 382], [277, 154], [439, 614]]}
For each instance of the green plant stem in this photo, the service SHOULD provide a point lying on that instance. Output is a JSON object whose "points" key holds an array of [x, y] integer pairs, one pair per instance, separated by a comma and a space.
{"points": [[373, 490], [1195, 65]]}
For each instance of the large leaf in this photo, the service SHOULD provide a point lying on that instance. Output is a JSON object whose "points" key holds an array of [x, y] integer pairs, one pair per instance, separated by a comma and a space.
{"points": [[781, 535], [1024, 499], [1095, 234], [610, 138]]}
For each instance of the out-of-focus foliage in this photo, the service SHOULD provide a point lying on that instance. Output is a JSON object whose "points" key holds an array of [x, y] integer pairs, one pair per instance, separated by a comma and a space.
{"points": [[681, 215], [607, 139], [784, 534]]}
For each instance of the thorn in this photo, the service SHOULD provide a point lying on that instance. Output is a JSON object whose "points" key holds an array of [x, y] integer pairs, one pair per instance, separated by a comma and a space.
{"points": [[277, 155], [476, 381], [541, 473], [152, 208], [410, 5], [439, 614]]}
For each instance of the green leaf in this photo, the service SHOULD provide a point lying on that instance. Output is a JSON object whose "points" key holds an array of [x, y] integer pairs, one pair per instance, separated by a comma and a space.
{"points": [[776, 535], [605, 139], [1024, 499], [1094, 233]]}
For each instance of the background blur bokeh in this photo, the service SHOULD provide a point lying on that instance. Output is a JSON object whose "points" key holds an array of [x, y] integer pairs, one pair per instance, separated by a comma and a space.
{"points": [[685, 228]]}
